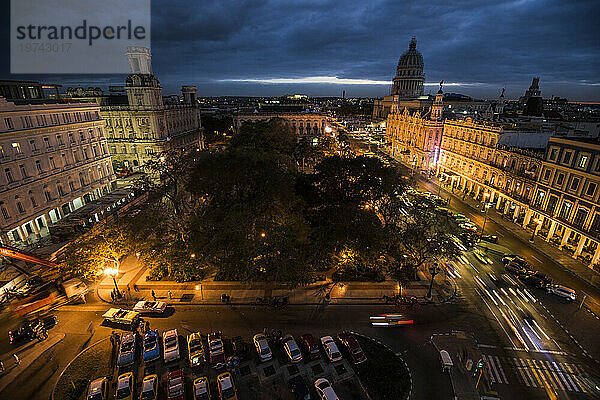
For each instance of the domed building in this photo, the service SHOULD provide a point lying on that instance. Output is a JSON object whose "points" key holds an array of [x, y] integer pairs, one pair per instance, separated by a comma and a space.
{"points": [[409, 78]]}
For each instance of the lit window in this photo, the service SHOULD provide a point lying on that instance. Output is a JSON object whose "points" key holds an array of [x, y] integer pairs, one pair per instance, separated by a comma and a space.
{"points": [[583, 162]]}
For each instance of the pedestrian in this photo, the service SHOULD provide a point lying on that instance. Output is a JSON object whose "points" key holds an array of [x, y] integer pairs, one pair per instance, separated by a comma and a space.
{"points": [[147, 323], [153, 295], [170, 295], [17, 359]]}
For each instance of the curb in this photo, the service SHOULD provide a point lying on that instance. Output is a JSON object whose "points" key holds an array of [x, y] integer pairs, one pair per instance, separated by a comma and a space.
{"points": [[70, 362], [395, 354]]}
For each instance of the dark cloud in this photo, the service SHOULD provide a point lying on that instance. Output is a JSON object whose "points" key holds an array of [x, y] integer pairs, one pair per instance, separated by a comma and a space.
{"points": [[489, 43]]}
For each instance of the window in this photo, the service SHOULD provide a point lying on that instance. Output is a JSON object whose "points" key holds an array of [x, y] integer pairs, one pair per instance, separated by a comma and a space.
{"points": [[567, 157], [52, 163], [32, 145], [20, 208], [59, 140], [547, 174], [560, 179], [47, 194], [8, 122], [5, 213], [23, 171], [32, 198], [553, 154], [580, 217], [565, 210], [2, 151], [81, 135], [71, 186], [65, 162], [583, 160], [574, 183], [38, 166], [9, 177], [17, 147], [47, 143], [71, 138], [591, 189]]}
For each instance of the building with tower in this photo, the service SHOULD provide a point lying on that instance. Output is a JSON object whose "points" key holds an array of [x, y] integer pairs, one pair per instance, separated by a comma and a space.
{"points": [[407, 84], [139, 121], [532, 102]]}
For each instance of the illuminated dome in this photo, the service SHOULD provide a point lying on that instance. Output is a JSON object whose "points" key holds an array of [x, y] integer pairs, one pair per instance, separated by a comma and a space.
{"points": [[409, 78]]}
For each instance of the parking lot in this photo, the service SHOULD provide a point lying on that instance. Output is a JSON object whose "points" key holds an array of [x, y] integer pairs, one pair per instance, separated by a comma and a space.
{"points": [[252, 378]]}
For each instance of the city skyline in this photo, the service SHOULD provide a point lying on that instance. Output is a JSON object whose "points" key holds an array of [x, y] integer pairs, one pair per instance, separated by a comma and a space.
{"points": [[246, 48]]}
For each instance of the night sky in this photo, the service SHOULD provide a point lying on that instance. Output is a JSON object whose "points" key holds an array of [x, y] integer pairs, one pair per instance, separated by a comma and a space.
{"points": [[262, 47]]}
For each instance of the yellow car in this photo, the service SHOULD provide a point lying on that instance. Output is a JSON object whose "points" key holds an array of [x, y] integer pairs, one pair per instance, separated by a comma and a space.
{"points": [[125, 387], [98, 389], [201, 389], [195, 349], [149, 388], [226, 388]]}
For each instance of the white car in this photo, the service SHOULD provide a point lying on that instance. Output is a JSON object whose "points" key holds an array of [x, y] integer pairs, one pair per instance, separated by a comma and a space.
{"points": [[120, 316], [562, 291], [262, 347], [331, 349], [324, 390], [291, 348], [171, 345], [150, 307]]}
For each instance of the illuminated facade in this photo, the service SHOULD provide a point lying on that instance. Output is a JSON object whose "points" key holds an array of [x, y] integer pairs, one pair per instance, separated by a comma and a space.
{"points": [[415, 137], [304, 124], [54, 158]]}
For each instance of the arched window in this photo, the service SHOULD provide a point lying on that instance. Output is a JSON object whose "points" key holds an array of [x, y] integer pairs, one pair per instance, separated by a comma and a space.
{"points": [[32, 198]]}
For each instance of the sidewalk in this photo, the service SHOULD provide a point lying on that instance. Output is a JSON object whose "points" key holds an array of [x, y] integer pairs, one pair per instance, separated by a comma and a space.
{"points": [[28, 355], [572, 265], [134, 287]]}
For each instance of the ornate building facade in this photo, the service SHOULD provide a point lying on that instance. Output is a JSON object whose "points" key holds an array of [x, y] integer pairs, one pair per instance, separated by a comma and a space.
{"points": [[54, 158], [142, 123], [303, 123], [415, 137]]}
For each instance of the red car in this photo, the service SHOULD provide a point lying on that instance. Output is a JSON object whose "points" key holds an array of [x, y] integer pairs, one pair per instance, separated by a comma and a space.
{"points": [[352, 347], [311, 346], [216, 350], [176, 385]]}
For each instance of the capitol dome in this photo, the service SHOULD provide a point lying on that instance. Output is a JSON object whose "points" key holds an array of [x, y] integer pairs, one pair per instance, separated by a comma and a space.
{"points": [[409, 78]]}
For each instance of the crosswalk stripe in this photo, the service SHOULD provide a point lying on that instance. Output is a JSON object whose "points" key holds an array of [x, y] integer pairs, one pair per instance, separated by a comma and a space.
{"points": [[545, 373], [520, 370], [501, 370], [490, 374], [562, 376], [569, 378], [532, 374], [491, 361], [538, 373], [574, 374], [553, 374]]}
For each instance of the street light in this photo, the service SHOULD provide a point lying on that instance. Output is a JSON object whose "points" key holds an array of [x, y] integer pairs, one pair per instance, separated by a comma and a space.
{"points": [[433, 270], [485, 208], [113, 272], [538, 222], [485, 196]]}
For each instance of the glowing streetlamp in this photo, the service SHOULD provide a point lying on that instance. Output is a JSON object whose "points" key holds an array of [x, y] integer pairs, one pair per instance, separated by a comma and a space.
{"points": [[113, 272]]}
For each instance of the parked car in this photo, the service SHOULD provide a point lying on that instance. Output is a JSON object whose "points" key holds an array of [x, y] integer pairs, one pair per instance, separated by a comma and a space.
{"points": [[150, 307], [126, 350], [510, 257], [176, 385], [324, 390], [151, 349], [240, 348], [195, 349], [521, 263], [545, 278], [125, 388], [171, 346], [149, 388], [291, 348], [468, 227], [98, 389], [262, 347], [28, 329], [201, 388], [331, 349], [562, 291], [531, 280], [514, 269], [123, 317], [216, 350], [311, 346], [226, 388], [490, 238], [299, 388], [352, 347]]}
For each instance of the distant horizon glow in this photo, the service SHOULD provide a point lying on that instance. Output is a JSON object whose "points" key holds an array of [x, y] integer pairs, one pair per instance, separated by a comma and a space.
{"points": [[334, 80]]}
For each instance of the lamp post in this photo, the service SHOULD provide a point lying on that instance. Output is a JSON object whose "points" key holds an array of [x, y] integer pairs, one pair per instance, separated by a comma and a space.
{"points": [[485, 208], [538, 223], [113, 272], [433, 270], [485, 197]]}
